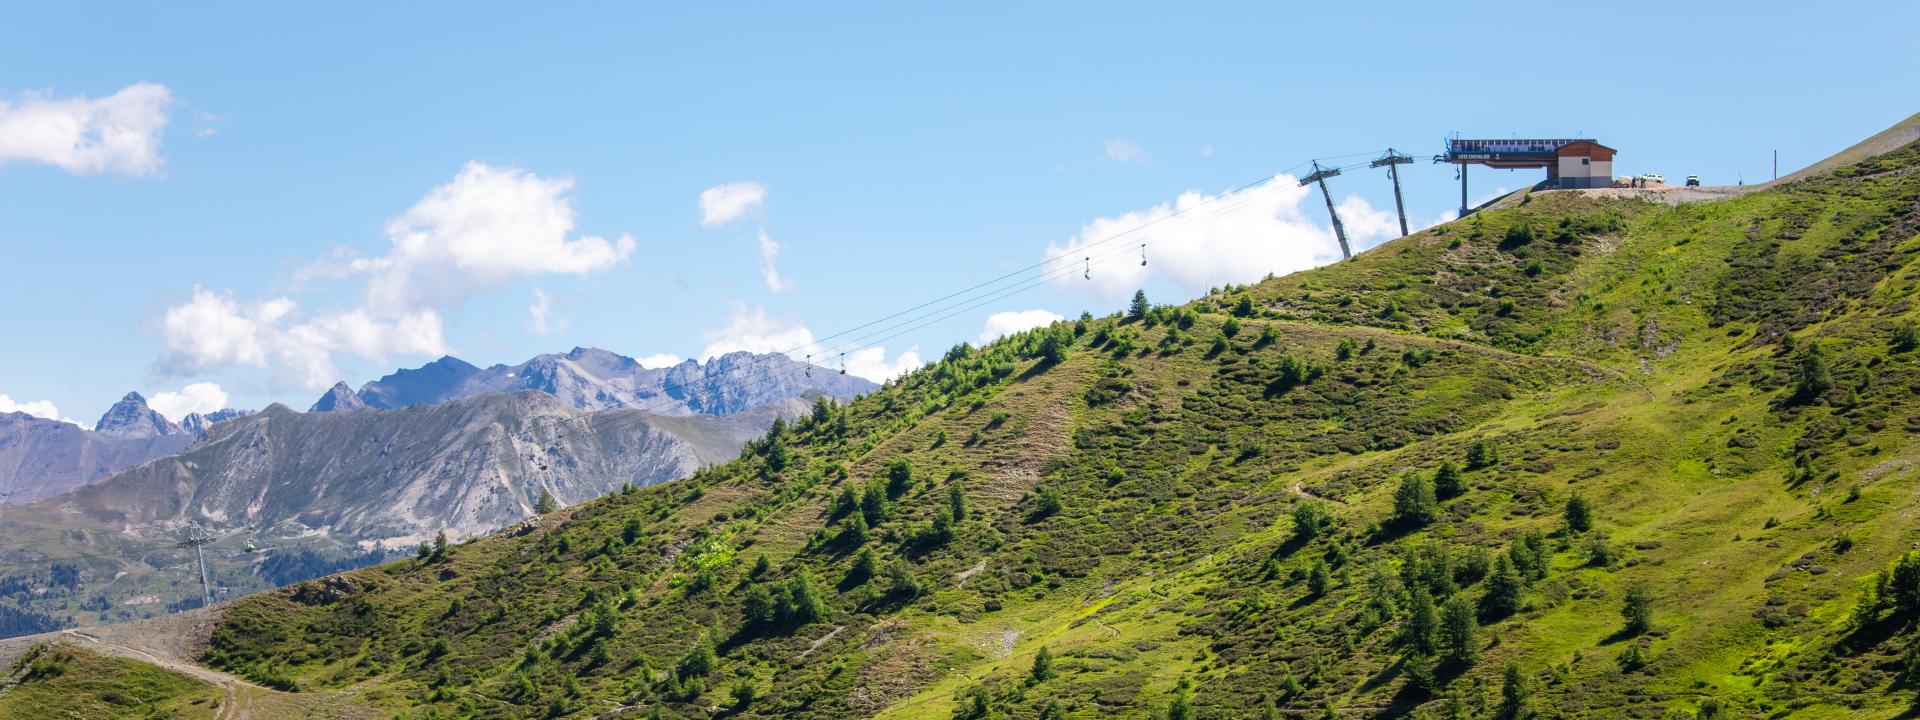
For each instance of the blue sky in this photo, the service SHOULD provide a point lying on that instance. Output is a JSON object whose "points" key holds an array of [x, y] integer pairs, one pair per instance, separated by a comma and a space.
{"points": [[287, 195]]}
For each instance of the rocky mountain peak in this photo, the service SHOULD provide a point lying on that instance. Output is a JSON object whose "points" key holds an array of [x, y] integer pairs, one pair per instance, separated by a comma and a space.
{"points": [[339, 398], [131, 418], [199, 423]]}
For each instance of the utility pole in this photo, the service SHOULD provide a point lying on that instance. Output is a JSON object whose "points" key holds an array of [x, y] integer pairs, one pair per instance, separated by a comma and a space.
{"points": [[1393, 160], [195, 538], [1776, 166], [1320, 176]]}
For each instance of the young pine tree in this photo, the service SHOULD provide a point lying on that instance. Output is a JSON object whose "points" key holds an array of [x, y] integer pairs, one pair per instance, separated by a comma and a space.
{"points": [[1422, 624], [1319, 579], [1137, 310], [1042, 666], [1579, 514], [1459, 632], [1637, 609], [957, 500], [1481, 454], [1516, 693], [1414, 504], [1447, 481], [1504, 588], [1811, 378], [545, 504]]}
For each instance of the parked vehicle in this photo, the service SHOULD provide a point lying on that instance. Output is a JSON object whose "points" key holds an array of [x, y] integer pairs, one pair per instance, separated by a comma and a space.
{"points": [[1693, 181]]}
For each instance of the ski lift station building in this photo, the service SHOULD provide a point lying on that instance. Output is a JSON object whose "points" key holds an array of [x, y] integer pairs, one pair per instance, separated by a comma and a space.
{"points": [[1570, 163]]}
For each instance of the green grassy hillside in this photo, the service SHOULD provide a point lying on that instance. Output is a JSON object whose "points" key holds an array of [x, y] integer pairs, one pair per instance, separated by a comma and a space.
{"points": [[1575, 458], [65, 682]]}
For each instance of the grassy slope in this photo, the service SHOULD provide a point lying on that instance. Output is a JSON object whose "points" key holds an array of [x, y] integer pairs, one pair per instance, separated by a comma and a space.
{"points": [[67, 682], [1641, 361]]}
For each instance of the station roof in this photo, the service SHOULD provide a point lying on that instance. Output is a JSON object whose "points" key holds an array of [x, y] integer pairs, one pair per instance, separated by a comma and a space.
{"points": [[1517, 152]]}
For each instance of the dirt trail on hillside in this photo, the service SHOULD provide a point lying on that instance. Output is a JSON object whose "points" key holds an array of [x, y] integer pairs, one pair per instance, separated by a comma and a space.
{"points": [[234, 697], [176, 642]]}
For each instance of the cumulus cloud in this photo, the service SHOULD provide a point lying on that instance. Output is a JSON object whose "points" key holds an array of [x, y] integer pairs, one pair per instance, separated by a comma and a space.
{"points": [[1002, 324], [1199, 241], [872, 364], [723, 204], [752, 330], [37, 408], [212, 330], [201, 398], [1452, 215], [1122, 150], [483, 229], [85, 136], [658, 361], [542, 313], [1367, 227], [769, 252]]}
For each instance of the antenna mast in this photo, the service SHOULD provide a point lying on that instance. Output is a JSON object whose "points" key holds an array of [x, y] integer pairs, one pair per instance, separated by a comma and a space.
{"points": [[195, 538], [1320, 176], [1392, 161]]}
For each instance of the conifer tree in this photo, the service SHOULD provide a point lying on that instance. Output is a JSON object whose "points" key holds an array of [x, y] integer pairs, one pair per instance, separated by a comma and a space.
{"points": [[1481, 454], [1422, 623], [1137, 310], [957, 501], [1042, 665], [1459, 632], [1447, 481], [1637, 609], [1414, 504], [1516, 693], [1504, 588], [1579, 514]]}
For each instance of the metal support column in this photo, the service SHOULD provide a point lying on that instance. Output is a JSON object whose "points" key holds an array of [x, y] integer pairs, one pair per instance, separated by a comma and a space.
{"points": [[195, 539], [1393, 160], [1320, 176]]}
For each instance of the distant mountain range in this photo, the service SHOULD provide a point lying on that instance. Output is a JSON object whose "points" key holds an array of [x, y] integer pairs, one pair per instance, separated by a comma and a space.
{"points": [[447, 447], [322, 491], [41, 458], [594, 379]]}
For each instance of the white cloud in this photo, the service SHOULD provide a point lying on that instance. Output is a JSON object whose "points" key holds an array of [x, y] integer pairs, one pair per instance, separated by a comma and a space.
{"points": [[1452, 215], [723, 204], [658, 361], [1367, 227], [769, 252], [202, 398], [486, 227], [752, 330], [871, 363], [542, 312], [117, 133], [212, 331], [1002, 324], [37, 408], [207, 124], [1215, 239], [1125, 151]]}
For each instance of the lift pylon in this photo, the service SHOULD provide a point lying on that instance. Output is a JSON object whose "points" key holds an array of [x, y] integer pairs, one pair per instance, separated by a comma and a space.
{"points": [[194, 539], [1392, 162], [1320, 176]]}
